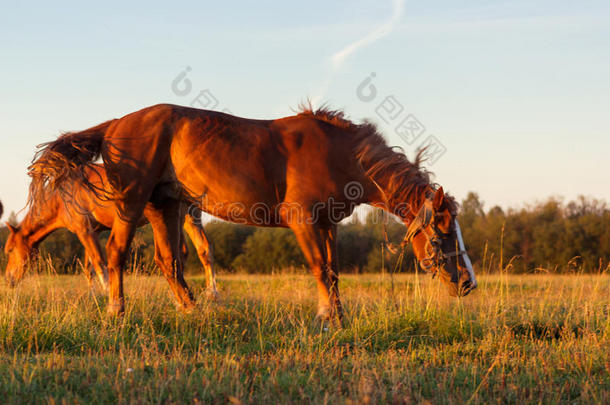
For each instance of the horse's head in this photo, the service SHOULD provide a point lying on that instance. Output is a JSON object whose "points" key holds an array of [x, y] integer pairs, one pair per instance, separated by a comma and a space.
{"points": [[438, 245], [19, 252]]}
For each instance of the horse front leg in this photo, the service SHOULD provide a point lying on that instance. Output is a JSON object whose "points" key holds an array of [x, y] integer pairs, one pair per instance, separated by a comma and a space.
{"points": [[94, 257], [329, 236], [313, 242], [128, 213], [117, 249], [88, 271]]}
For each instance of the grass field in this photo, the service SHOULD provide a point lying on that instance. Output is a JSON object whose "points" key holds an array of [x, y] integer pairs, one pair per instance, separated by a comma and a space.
{"points": [[539, 338]]}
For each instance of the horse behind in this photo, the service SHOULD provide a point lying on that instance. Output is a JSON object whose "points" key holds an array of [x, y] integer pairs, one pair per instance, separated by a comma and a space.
{"points": [[86, 214]]}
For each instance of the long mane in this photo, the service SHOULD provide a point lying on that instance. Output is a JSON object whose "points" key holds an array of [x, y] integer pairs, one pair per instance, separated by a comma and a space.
{"points": [[404, 180], [61, 166]]}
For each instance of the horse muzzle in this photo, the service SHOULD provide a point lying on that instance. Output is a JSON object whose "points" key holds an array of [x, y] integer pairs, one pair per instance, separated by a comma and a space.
{"points": [[465, 287]]}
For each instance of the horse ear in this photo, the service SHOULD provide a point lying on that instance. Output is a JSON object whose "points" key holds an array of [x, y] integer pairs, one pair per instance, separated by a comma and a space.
{"points": [[11, 228], [439, 196]]}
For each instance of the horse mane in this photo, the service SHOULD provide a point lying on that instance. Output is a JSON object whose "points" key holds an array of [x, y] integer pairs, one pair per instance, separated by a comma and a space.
{"points": [[59, 166], [404, 181], [326, 114]]}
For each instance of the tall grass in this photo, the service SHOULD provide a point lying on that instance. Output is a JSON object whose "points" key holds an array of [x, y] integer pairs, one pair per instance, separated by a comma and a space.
{"points": [[537, 338]]}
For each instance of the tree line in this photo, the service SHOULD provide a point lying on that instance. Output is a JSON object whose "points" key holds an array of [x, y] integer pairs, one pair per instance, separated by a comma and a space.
{"points": [[551, 236]]}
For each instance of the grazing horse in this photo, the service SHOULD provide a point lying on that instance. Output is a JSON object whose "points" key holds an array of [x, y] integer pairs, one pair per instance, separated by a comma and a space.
{"points": [[86, 215], [305, 172]]}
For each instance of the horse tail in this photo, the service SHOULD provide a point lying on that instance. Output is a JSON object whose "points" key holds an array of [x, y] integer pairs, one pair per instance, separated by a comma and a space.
{"points": [[59, 165]]}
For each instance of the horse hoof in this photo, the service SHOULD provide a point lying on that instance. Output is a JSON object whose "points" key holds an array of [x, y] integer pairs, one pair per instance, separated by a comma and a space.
{"points": [[211, 294], [186, 307], [329, 317], [323, 314], [115, 310]]}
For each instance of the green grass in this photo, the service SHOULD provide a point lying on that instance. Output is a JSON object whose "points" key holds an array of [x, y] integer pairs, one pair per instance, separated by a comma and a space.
{"points": [[534, 339]]}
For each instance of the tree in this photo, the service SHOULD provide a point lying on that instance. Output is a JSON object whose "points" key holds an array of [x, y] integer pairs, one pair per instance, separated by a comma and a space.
{"points": [[269, 249], [548, 234], [12, 219], [227, 240]]}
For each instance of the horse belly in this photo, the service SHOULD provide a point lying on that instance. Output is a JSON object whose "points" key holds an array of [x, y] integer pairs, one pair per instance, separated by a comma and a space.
{"points": [[236, 188]]}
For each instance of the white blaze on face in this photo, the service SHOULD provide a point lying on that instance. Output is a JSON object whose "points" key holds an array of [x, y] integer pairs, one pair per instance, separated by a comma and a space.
{"points": [[464, 255]]}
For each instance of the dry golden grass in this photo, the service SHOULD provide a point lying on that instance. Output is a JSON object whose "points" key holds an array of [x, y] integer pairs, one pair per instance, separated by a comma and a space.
{"points": [[537, 339]]}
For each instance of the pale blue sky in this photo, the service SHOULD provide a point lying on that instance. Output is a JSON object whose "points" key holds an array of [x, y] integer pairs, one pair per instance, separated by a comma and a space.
{"points": [[517, 91]]}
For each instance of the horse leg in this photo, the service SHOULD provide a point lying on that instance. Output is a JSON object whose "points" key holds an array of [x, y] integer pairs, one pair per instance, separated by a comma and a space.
{"points": [[117, 249], [329, 236], [94, 256], [204, 251], [313, 246], [184, 249], [87, 272], [166, 222]]}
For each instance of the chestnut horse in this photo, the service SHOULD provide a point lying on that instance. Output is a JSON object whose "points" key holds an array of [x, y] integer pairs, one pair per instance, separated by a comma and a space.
{"points": [[85, 215], [305, 172]]}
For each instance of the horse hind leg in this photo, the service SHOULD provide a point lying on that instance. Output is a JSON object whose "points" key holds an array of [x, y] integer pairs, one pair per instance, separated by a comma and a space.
{"points": [[204, 251], [313, 242], [166, 220]]}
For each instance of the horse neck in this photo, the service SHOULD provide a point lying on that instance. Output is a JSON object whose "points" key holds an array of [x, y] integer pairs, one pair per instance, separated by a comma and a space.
{"points": [[38, 223], [403, 205]]}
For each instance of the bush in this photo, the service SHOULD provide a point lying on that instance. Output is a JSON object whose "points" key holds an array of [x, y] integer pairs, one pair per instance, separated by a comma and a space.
{"points": [[551, 234], [269, 249]]}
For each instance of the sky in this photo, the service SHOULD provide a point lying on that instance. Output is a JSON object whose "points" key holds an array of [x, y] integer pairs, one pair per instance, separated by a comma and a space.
{"points": [[513, 95]]}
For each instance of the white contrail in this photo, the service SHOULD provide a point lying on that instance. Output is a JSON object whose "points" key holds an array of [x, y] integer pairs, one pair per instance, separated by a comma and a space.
{"points": [[341, 56]]}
